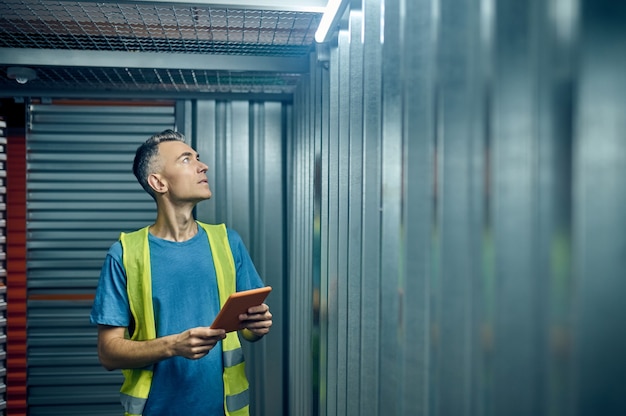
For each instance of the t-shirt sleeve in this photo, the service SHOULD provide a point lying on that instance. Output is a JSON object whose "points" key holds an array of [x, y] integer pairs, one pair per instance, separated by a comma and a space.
{"points": [[247, 276], [110, 305]]}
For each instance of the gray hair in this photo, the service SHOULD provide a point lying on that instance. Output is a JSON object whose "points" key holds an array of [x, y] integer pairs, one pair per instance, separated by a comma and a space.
{"points": [[146, 155]]}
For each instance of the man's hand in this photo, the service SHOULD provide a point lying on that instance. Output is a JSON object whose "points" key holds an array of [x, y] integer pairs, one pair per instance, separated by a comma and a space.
{"points": [[256, 323], [195, 343]]}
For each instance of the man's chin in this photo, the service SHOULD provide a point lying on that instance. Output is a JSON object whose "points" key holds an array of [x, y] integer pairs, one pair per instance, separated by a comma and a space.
{"points": [[203, 198]]}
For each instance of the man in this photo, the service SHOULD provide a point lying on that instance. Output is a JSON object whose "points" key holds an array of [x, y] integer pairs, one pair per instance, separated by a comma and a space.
{"points": [[159, 291]]}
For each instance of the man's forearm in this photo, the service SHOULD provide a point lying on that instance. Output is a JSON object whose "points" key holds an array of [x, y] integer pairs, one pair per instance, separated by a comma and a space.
{"points": [[118, 353]]}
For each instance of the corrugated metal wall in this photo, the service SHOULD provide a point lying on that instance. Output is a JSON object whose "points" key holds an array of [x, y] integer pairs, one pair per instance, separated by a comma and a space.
{"points": [[243, 143], [457, 211], [81, 194], [303, 239]]}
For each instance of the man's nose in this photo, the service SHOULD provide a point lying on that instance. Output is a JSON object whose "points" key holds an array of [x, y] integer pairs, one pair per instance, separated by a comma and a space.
{"points": [[202, 167]]}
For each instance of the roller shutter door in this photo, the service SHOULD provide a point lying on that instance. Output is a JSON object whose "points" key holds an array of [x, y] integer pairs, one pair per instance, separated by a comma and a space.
{"points": [[80, 194]]}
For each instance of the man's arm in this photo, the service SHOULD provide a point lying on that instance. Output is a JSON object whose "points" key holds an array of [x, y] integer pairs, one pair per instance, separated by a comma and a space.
{"points": [[256, 323], [115, 351]]}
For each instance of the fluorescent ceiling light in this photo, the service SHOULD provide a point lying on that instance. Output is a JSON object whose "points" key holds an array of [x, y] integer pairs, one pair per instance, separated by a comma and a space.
{"points": [[332, 14]]}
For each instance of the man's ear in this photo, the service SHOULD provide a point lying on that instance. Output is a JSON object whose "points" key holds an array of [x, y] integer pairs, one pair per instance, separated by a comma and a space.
{"points": [[155, 181]]}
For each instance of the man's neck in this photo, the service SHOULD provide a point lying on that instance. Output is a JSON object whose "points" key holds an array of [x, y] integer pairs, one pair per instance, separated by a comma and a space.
{"points": [[174, 225]]}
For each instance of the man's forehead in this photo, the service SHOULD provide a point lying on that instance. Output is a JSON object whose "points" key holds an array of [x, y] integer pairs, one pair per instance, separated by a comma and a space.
{"points": [[174, 148]]}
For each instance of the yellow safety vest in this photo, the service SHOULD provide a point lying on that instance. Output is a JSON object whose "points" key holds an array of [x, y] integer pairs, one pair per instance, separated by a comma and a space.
{"points": [[136, 259]]}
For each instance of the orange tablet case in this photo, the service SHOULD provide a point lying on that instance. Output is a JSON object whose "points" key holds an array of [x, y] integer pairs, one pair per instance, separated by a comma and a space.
{"points": [[236, 304]]}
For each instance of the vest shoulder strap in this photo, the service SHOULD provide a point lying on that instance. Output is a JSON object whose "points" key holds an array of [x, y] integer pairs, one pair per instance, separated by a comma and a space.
{"points": [[136, 259], [222, 258]]}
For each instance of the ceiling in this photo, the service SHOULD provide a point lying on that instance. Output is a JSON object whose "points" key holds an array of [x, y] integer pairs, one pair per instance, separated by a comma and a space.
{"points": [[157, 48]]}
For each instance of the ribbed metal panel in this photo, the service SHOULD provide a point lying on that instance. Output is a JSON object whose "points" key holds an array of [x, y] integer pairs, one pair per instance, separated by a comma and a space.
{"points": [[598, 213], [302, 158], [472, 215], [3, 266], [244, 144], [81, 194]]}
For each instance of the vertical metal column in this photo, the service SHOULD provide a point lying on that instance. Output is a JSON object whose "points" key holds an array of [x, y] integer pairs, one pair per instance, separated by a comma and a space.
{"points": [[392, 350], [371, 119], [419, 238], [458, 196], [518, 306], [600, 210]]}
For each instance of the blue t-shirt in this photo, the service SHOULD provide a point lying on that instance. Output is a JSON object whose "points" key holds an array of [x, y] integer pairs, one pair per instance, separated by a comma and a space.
{"points": [[185, 295]]}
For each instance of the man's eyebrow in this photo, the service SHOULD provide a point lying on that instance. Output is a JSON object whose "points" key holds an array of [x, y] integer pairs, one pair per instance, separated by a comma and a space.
{"points": [[188, 154]]}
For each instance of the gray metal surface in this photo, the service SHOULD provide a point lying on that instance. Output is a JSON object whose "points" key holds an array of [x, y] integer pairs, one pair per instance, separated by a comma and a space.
{"points": [[301, 154], [391, 318], [599, 211], [472, 248], [518, 325], [372, 147], [244, 145]]}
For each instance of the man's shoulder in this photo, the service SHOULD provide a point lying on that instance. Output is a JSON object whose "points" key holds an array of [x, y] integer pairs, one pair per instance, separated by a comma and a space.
{"points": [[115, 250], [233, 235]]}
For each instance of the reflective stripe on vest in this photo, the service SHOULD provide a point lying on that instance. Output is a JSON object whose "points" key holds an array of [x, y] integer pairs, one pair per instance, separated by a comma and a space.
{"points": [[136, 259]]}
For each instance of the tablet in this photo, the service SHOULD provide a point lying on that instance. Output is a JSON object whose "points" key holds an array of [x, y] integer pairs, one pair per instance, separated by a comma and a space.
{"points": [[236, 304]]}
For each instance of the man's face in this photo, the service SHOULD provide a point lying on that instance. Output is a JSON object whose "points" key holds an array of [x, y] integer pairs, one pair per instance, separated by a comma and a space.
{"points": [[182, 173]]}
